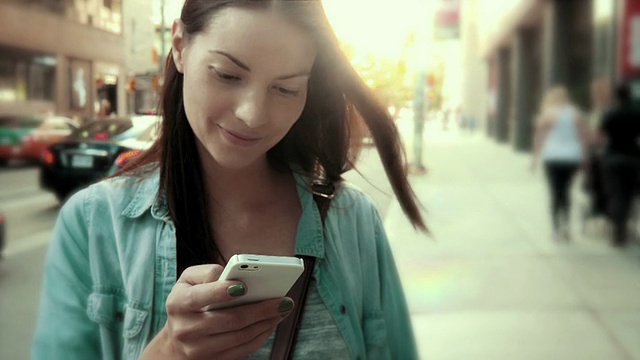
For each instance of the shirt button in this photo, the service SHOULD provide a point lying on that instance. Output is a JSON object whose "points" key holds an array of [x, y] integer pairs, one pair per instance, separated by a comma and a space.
{"points": [[119, 316], [343, 309]]}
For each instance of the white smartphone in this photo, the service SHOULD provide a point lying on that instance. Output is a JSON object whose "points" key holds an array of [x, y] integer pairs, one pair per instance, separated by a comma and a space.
{"points": [[265, 277]]}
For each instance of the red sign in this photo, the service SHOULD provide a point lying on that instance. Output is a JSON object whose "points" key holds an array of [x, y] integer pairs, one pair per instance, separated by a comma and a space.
{"points": [[630, 39], [447, 20]]}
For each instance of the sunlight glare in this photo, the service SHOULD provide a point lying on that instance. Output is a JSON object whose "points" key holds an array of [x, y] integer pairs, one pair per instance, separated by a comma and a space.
{"points": [[376, 26]]}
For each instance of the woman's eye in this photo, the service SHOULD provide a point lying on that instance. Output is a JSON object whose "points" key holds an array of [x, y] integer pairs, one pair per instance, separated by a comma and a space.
{"points": [[286, 91], [225, 76]]}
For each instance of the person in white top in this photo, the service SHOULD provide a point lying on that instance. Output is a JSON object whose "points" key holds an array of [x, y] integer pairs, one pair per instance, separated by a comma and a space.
{"points": [[561, 140]]}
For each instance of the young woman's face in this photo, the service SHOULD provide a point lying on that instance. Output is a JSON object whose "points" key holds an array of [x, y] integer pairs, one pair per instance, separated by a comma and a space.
{"points": [[245, 82]]}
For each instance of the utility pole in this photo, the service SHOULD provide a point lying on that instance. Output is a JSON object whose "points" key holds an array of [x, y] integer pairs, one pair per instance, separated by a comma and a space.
{"points": [[416, 165], [163, 49]]}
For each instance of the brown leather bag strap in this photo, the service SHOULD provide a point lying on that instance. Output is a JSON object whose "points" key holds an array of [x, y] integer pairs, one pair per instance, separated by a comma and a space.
{"points": [[288, 329]]}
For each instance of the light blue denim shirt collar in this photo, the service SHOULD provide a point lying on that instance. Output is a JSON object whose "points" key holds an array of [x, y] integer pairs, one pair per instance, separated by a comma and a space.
{"points": [[145, 197], [309, 239]]}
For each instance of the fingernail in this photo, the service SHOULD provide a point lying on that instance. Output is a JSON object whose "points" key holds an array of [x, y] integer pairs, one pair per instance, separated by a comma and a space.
{"points": [[236, 290], [285, 306]]}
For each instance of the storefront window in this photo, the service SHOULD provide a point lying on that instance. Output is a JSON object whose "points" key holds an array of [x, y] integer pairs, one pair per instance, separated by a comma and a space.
{"points": [[604, 44], [26, 76], [7, 80], [603, 10]]}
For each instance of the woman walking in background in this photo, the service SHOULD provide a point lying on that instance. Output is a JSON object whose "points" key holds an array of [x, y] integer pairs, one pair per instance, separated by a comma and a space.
{"points": [[561, 141]]}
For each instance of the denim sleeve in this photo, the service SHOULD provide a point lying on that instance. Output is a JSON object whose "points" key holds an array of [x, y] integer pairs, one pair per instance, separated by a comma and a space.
{"points": [[400, 337], [63, 329]]}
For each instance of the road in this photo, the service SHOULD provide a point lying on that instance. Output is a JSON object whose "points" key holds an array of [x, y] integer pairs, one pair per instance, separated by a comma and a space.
{"points": [[30, 215]]}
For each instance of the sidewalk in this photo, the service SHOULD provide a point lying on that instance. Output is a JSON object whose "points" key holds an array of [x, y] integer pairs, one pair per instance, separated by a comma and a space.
{"points": [[490, 283]]}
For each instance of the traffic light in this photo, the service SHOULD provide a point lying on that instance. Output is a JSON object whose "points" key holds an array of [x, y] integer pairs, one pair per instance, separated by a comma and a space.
{"points": [[156, 82]]}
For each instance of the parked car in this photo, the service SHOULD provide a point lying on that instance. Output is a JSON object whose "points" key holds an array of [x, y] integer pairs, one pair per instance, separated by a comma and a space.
{"points": [[94, 151], [52, 130], [13, 130]]}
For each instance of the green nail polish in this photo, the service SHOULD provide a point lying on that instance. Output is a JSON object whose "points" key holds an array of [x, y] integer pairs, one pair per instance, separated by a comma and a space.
{"points": [[285, 306], [236, 290]]}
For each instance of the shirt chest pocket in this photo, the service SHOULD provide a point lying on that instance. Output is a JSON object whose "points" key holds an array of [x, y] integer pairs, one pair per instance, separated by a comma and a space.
{"points": [[121, 324]]}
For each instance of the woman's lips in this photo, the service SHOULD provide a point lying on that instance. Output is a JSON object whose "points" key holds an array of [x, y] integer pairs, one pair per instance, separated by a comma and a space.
{"points": [[239, 139]]}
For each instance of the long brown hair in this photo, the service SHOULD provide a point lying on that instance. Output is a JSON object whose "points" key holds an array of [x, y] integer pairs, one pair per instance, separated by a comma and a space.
{"points": [[324, 136]]}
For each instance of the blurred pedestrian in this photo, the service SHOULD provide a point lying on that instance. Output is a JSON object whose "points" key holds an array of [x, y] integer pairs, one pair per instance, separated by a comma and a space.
{"points": [[560, 141], [105, 108], [473, 123], [593, 183], [620, 130], [257, 104]]}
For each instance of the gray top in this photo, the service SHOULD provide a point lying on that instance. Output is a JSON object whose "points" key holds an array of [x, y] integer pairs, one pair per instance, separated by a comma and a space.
{"points": [[318, 337]]}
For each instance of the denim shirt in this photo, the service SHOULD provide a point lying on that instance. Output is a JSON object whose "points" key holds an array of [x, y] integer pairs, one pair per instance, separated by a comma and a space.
{"points": [[112, 263]]}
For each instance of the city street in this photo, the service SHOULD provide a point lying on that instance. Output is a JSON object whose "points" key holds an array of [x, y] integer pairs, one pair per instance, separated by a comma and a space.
{"points": [[30, 215], [488, 283]]}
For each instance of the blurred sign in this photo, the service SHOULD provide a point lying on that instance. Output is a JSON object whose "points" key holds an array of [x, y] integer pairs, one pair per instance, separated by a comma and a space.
{"points": [[79, 74], [630, 45], [446, 20]]}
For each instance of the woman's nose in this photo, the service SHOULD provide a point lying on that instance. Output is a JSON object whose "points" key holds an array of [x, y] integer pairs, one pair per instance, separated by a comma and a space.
{"points": [[251, 108]]}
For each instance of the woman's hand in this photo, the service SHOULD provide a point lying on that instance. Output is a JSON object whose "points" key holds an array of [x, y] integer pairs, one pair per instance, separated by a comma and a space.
{"points": [[231, 333]]}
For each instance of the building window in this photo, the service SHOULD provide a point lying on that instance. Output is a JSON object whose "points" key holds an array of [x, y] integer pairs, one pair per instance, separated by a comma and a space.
{"points": [[25, 76], [102, 14]]}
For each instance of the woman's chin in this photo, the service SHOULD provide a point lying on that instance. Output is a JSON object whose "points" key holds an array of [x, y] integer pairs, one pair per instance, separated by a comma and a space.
{"points": [[237, 162]]}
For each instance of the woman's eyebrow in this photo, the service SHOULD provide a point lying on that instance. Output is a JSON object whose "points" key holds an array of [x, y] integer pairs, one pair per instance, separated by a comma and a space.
{"points": [[244, 66], [232, 58], [295, 75]]}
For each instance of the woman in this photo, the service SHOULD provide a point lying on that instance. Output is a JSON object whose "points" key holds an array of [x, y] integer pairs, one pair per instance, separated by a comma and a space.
{"points": [[258, 105], [561, 140]]}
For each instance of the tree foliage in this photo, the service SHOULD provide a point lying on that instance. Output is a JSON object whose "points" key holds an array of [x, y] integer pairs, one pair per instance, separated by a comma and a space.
{"points": [[391, 79]]}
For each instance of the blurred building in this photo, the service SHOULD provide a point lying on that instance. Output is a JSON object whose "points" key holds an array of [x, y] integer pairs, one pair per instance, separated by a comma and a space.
{"points": [[141, 53], [528, 46], [147, 42], [75, 57], [474, 95]]}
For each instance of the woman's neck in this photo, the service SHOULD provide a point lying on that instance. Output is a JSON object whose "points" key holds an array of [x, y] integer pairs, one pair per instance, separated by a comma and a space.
{"points": [[253, 210], [249, 188]]}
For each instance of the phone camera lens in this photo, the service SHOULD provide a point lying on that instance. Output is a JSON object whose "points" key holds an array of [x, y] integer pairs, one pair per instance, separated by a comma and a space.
{"points": [[244, 266]]}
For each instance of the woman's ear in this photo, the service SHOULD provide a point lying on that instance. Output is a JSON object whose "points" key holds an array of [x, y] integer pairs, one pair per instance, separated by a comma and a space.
{"points": [[177, 44]]}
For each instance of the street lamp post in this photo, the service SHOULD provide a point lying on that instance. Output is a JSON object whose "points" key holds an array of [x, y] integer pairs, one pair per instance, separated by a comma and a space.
{"points": [[163, 49], [416, 165]]}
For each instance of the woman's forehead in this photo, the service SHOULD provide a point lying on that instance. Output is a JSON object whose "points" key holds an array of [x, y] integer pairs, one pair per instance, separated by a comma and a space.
{"points": [[259, 35]]}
